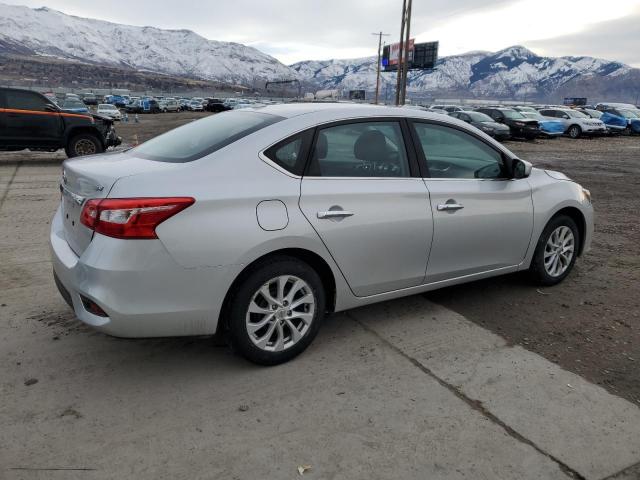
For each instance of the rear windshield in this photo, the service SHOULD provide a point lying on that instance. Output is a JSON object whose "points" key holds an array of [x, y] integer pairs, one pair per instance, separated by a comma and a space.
{"points": [[197, 139]]}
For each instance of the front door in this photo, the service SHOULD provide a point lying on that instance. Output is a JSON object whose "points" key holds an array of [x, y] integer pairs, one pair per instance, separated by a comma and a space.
{"points": [[482, 220], [373, 216], [28, 121]]}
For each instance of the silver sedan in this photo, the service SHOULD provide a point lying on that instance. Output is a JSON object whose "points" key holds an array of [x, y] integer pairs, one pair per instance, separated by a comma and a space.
{"points": [[260, 221]]}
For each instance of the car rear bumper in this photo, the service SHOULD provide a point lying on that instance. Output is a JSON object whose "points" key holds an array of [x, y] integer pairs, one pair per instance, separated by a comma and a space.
{"points": [[141, 289]]}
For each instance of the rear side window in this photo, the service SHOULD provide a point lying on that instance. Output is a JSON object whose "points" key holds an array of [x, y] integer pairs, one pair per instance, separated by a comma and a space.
{"points": [[21, 100], [200, 138], [291, 154]]}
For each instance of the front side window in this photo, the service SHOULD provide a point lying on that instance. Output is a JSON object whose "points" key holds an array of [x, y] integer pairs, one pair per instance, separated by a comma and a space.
{"points": [[452, 153], [363, 149], [197, 139], [20, 100]]}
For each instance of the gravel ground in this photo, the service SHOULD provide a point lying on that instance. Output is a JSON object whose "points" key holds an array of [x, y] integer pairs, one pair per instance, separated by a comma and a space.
{"points": [[590, 323]]}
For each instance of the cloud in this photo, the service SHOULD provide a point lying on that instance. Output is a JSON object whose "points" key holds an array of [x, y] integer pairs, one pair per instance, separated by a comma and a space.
{"points": [[613, 40], [293, 30]]}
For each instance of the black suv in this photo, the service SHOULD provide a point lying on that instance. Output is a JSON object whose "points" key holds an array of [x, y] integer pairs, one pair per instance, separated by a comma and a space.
{"points": [[215, 105], [31, 120], [519, 125]]}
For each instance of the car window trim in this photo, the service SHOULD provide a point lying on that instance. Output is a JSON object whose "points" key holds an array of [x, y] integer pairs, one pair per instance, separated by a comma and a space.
{"points": [[307, 141], [423, 159], [404, 132]]}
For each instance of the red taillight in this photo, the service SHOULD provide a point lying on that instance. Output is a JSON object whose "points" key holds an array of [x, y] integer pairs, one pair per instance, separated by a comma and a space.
{"points": [[134, 218]]}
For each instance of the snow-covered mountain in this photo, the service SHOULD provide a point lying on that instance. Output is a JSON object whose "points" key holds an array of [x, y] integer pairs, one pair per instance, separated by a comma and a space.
{"points": [[46, 32], [514, 72]]}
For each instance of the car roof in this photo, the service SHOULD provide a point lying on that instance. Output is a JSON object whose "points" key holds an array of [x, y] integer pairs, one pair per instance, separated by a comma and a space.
{"points": [[290, 110]]}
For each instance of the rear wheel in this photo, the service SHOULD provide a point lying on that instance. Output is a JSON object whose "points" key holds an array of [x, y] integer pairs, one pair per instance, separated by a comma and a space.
{"points": [[575, 131], [556, 251], [276, 311], [83, 144]]}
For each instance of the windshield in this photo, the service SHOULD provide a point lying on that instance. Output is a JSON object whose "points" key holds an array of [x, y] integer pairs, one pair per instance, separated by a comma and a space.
{"points": [[197, 139], [73, 104], [629, 114], [106, 106], [479, 117], [534, 115], [576, 114], [512, 114], [594, 113]]}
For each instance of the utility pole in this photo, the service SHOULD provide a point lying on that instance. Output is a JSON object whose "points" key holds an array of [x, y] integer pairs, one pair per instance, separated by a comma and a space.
{"points": [[405, 64], [380, 35], [400, 51]]}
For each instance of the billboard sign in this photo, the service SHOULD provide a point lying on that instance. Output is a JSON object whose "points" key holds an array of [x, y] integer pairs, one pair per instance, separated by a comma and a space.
{"points": [[422, 56], [357, 94], [577, 101]]}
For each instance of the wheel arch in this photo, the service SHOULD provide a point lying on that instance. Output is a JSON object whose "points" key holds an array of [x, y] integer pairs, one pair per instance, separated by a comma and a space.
{"points": [[82, 129], [577, 216], [312, 259]]}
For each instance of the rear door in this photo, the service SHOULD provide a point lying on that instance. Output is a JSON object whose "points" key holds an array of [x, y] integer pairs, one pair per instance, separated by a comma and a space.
{"points": [[29, 122], [482, 220], [362, 194]]}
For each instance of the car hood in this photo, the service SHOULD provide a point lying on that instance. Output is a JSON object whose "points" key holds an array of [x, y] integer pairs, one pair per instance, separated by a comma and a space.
{"points": [[557, 175], [494, 125]]}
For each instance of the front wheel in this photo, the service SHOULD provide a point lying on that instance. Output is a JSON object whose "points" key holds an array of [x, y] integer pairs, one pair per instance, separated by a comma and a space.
{"points": [[83, 144], [575, 131], [556, 251], [276, 311]]}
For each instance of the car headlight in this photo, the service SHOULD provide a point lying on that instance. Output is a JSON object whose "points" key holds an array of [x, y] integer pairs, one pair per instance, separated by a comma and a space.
{"points": [[585, 195], [486, 129]]}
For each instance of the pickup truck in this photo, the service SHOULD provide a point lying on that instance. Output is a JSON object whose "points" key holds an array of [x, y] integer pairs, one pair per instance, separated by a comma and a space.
{"points": [[30, 120]]}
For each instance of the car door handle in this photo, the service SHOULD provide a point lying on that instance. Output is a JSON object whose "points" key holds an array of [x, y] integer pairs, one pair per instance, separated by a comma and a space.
{"points": [[334, 214], [449, 206]]}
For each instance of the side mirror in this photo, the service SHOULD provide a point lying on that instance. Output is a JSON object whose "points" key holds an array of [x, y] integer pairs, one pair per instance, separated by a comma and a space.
{"points": [[520, 168]]}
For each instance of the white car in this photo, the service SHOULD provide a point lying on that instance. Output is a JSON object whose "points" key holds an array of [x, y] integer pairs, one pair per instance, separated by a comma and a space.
{"points": [[108, 110], [576, 123], [256, 222]]}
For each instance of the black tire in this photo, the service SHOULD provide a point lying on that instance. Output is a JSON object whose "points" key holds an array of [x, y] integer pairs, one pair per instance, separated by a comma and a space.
{"points": [[250, 284], [574, 131], [537, 269], [83, 144]]}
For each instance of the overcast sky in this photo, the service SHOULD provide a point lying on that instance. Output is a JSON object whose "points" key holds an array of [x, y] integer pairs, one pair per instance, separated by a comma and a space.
{"points": [[293, 30]]}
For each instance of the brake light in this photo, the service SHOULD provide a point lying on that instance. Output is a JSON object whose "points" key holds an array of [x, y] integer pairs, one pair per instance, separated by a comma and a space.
{"points": [[134, 218]]}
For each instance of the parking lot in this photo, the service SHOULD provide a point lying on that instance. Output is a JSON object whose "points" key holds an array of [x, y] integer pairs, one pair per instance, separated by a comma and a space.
{"points": [[495, 379]]}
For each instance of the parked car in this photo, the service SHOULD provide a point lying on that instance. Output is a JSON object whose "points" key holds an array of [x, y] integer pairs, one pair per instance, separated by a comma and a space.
{"points": [[169, 105], [144, 105], [345, 208], [614, 123], [195, 106], [216, 105], [108, 110], [456, 108], [90, 99], [73, 105], [576, 123], [117, 100], [184, 103], [549, 127], [31, 120], [484, 123], [631, 116], [519, 125], [525, 109]]}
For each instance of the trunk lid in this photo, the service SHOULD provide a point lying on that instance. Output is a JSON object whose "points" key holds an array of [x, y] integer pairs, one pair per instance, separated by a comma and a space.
{"points": [[93, 177]]}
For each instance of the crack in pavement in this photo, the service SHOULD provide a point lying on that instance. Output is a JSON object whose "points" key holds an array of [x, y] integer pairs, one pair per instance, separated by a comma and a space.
{"points": [[474, 404]]}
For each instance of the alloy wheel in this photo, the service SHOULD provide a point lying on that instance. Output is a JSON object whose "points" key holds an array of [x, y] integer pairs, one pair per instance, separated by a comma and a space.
{"points": [[559, 251], [280, 313], [85, 147]]}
